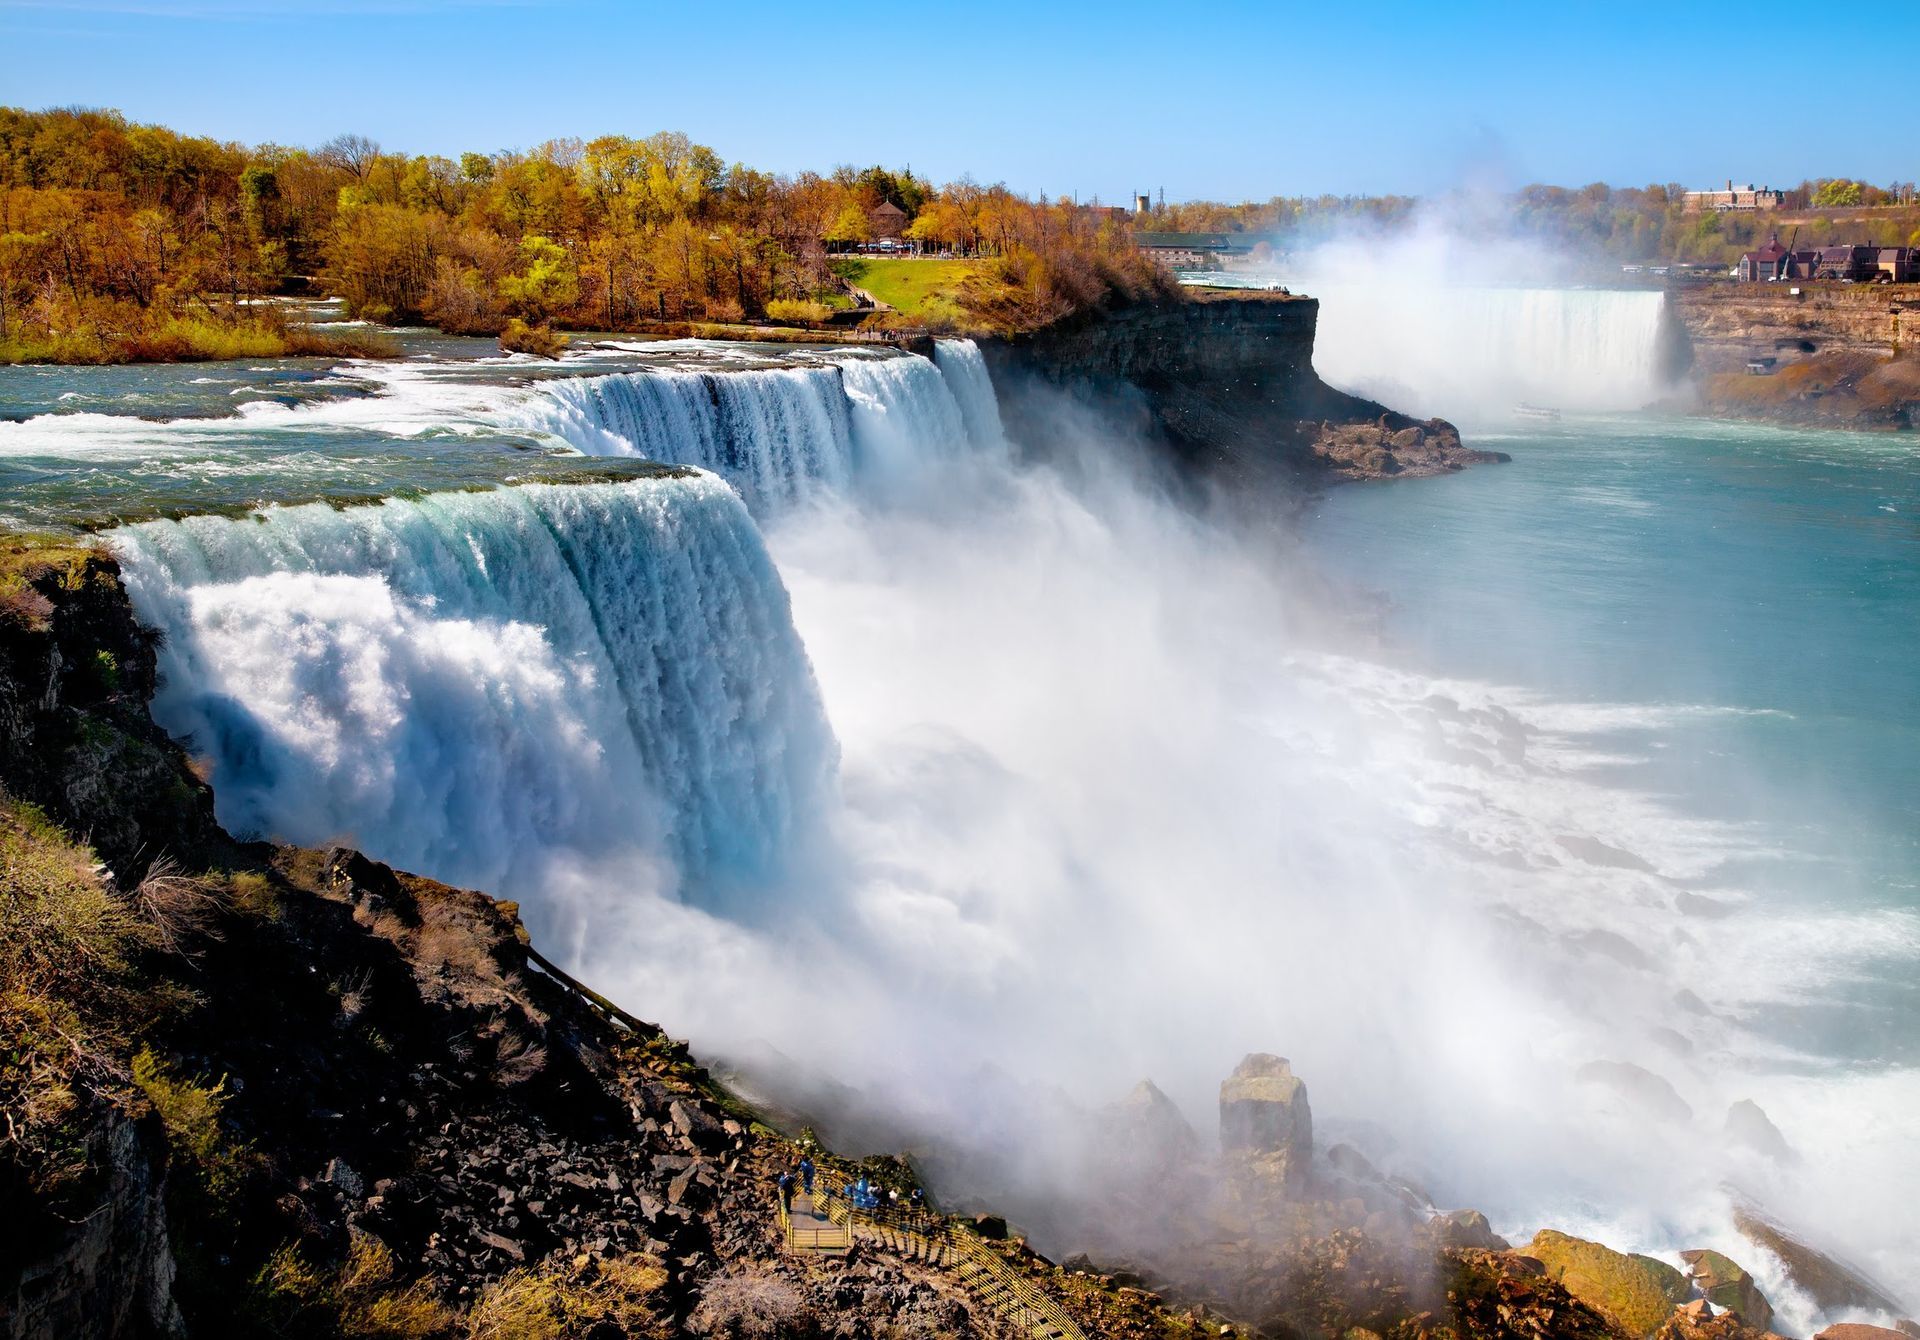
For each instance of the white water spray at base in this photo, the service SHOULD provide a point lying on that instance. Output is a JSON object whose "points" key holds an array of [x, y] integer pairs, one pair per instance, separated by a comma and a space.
{"points": [[483, 686]]}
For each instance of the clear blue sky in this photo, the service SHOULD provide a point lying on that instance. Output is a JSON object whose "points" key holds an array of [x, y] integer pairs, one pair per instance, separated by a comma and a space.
{"points": [[1224, 101]]}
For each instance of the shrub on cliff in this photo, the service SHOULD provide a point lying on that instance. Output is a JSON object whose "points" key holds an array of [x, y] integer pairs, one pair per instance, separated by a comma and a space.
{"points": [[68, 947], [798, 309], [540, 341]]}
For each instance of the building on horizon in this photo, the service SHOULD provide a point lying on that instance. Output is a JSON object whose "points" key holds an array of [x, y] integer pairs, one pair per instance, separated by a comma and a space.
{"points": [[1735, 197], [1772, 261], [1859, 263], [1195, 251]]}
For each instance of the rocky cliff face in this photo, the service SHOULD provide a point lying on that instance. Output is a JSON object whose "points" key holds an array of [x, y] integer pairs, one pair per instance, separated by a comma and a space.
{"points": [[1731, 323], [110, 1273], [1227, 381], [1832, 355], [75, 736]]}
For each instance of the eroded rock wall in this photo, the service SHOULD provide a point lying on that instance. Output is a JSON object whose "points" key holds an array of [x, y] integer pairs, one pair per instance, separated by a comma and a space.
{"points": [[1227, 381]]}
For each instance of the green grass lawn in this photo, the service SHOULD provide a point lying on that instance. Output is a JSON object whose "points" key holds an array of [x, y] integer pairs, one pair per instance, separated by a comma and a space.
{"points": [[903, 282]]}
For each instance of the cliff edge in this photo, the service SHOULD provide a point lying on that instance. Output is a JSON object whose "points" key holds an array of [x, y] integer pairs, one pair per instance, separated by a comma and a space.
{"points": [[1822, 354], [1226, 380]]}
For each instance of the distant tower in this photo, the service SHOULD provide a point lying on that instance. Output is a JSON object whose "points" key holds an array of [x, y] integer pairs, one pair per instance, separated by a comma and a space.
{"points": [[1141, 204]]}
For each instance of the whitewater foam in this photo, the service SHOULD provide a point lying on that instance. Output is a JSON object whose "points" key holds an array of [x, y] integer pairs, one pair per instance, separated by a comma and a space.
{"points": [[786, 434], [483, 686]]}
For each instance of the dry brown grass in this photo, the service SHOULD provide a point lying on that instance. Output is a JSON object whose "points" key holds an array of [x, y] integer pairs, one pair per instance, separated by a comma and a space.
{"points": [[180, 910], [748, 1307], [559, 1302], [67, 946], [362, 1299]]}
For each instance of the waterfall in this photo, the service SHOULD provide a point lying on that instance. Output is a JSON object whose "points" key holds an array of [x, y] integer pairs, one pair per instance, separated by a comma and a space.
{"points": [[1476, 352], [780, 435], [960, 363], [488, 687], [774, 433]]}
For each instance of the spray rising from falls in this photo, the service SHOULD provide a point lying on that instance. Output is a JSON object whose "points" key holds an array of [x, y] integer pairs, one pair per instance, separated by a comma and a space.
{"points": [[1109, 805], [1469, 352], [480, 686], [1454, 317], [781, 435]]}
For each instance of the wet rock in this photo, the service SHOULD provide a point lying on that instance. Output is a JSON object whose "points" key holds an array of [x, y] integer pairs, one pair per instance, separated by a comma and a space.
{"points": [[1611, 944], [1696, 906], [1725, 1284], [1147, 1132], [1468, 1229], [1637, 1292], [1832, 1284], [1595, 852], [1350, 1162], [1651, 1095], [1749, 1126], [1853, 1330], [1264, 1113], [1696, 1321]]}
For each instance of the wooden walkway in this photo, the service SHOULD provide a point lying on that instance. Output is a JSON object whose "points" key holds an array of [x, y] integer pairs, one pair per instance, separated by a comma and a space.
{"points": [[828, 1224]]}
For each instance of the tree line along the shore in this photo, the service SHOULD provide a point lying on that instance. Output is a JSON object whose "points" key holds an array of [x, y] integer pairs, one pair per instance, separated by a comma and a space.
{"points": [[120, 240]]}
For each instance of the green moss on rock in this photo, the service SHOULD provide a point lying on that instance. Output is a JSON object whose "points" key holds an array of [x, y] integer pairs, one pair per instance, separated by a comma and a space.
{"points": [[1637, 1292]]}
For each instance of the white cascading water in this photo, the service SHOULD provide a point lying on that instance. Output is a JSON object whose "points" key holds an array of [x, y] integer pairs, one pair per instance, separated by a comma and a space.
{"points": [[476, 686], [774, 433], [1474, 353], [780, 435], [965, 370]]}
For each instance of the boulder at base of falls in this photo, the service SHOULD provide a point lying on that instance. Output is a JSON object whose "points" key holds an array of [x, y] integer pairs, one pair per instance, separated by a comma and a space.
{"points": [[1637, 1292], [1832, 1285], [1465, 1229], [1146, 1133], [1696, 1321], [1648, 1093], [1749, 1126], [1853, 1330], [1725, 1284], [1265, 1119]]}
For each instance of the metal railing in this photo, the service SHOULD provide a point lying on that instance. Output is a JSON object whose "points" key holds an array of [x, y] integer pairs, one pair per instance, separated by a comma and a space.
{"points": [[831, 1236], [946, 1244]]}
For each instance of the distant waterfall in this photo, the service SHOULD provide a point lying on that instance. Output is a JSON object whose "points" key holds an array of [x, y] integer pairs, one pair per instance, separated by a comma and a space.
{"points": [[480, 686], [1467, 352], [781, 434]]}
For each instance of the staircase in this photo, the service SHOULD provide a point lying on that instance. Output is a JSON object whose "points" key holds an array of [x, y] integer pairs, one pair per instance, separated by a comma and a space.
{"points": [[804, 1231], [932, 1241]]}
